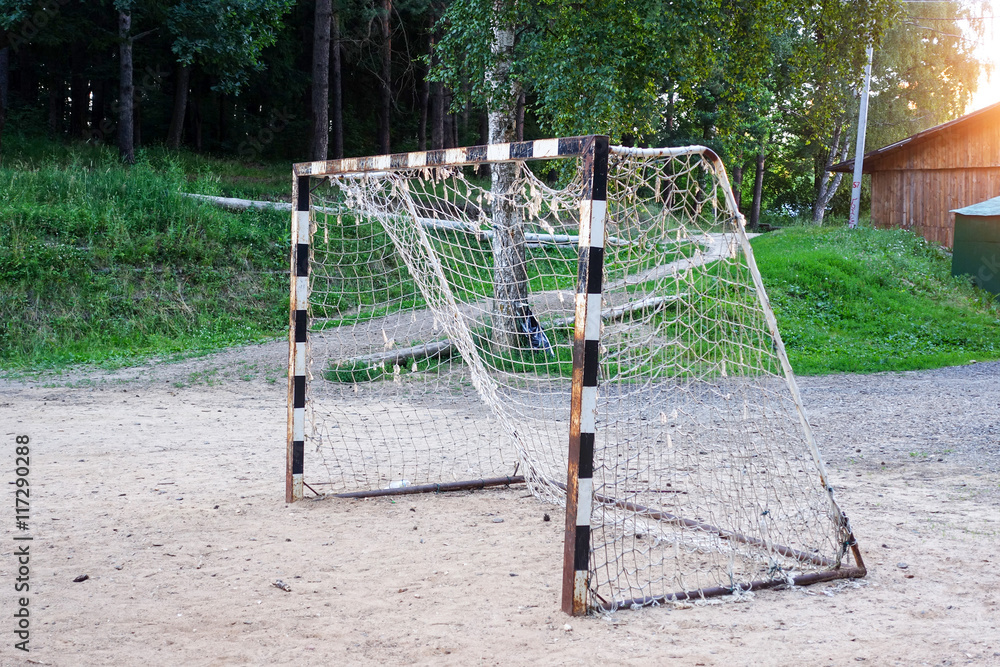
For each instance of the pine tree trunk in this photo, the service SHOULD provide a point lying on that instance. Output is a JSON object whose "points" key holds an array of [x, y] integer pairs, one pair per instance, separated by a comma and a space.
{"points": [[437, 115], [56, 101], [669, 121], [519, 117], [426, 97], [425, 101], [319, 142], [194, 110], [4, 89], [466, 110], [448, 122], [385, 106], [176, 132], [510, 280], [126, 90], [484, 138], [336, 89], [738, 185], [758, 186], [137, 121]]}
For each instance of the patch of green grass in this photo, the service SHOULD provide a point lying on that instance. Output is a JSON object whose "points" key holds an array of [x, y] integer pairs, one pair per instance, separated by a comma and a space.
{"points": [[868, 300], [104, 264], [202, 173], [526, 359]]}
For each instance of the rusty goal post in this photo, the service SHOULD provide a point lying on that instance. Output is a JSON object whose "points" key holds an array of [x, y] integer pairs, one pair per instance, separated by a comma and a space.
{"points": [[583, 318]]}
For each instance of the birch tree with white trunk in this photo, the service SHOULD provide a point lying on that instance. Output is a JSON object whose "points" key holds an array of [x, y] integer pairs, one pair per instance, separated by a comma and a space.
{"points": [[828, 181], [510, 279]]}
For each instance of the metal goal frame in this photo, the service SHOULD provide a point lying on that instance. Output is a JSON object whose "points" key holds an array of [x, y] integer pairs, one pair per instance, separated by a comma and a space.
{"points": [[593, 151]]}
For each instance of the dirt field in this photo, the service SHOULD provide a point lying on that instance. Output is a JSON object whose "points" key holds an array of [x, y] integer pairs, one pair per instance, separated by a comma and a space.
{"points": [[164, 484]]}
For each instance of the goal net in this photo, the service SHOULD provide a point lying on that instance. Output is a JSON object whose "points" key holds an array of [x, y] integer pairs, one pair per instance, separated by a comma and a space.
{"points": [[586, 319]]}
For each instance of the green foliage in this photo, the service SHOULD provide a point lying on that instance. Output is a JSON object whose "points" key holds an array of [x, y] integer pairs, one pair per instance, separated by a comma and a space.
{"points": [[868, 300], [225, 36], [99, 263], [13, 13], [594, 67]]}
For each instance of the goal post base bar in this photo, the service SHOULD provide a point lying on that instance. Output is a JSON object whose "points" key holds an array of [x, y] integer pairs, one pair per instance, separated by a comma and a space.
{"points": [[467, 485], [801, 580]]}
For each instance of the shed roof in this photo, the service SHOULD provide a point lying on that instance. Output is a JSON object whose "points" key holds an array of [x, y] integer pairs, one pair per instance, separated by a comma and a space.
{"points": [[874, 156], [988, 208]]}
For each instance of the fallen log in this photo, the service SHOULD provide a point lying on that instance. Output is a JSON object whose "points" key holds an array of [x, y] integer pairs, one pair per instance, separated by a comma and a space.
{"points": [[534, 239], [445, 348], [442, 348], [234, 204]]}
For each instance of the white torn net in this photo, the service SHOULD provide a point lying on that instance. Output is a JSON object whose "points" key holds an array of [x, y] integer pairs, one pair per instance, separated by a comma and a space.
{"points": [[429, 363]]}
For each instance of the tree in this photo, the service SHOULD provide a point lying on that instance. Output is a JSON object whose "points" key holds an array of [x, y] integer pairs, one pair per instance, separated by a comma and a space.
{"points": [[126, 88], [337, 103], [321, 81], [925, 71], [17, 28], [224, 37], [920, 77], [510, 278], [4, 87], [385, 80]]}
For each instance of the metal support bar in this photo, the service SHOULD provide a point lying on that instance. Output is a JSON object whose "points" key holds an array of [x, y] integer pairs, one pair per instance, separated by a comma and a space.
{"points": [[583, 405], [297, 340], [801, 580], [434, 488]]}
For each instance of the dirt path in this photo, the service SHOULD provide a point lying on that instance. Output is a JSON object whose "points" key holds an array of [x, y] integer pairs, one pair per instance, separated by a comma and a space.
{"points": [[164, 484]]}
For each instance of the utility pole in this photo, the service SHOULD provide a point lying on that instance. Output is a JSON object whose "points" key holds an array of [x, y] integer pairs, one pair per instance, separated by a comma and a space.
{"points": [[859, 149]]}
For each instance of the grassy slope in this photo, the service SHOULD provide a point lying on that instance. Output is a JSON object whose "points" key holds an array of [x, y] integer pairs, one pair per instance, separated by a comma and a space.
{"points": [[104, 264], [868, 300]]}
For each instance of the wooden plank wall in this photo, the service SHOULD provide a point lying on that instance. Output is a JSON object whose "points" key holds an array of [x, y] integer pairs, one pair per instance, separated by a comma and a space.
{"points": [[922, 200], [917, 186], [972, 144]]}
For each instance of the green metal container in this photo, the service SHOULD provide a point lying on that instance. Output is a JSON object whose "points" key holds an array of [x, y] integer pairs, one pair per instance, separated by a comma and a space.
{"points": [[977, 244]]}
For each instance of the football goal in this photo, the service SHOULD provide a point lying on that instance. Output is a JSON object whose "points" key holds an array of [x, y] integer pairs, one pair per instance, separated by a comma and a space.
{"points": [[581, 318]]}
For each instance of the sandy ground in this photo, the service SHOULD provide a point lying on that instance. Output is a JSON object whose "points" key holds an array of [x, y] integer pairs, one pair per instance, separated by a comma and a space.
{"points": [[164, 484]]}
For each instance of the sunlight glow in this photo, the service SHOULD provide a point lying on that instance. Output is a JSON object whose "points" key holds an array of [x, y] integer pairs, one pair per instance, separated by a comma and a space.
{"points": [[989, 52]]}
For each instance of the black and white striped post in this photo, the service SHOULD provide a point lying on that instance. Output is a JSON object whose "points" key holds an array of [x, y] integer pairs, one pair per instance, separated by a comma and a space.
{"points": [[299, 319], [565, 147], [586, 356]]}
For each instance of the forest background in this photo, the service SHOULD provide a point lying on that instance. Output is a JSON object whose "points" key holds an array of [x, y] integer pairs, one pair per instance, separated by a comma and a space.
{"points": [[772, 85]]}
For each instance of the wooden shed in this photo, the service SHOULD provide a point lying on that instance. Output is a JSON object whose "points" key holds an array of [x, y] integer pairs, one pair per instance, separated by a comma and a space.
{"points": [[919, 181]]}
